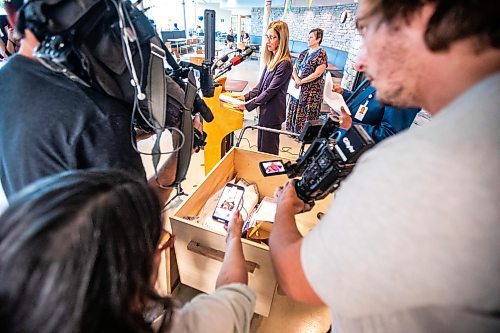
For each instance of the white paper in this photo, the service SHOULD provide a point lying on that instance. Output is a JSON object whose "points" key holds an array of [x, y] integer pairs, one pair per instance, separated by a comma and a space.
{"points": [[266, 210], [292, 90], [333, 99], [231, 100]]}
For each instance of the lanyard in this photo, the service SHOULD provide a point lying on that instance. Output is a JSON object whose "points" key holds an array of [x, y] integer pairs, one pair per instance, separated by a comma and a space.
{"points": [[305, 60]]}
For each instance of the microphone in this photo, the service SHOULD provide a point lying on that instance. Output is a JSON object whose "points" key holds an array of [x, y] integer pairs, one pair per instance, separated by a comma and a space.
{"points": [[236, 60], [220, 61], [242, 57], [202, 107], [244, 49]]}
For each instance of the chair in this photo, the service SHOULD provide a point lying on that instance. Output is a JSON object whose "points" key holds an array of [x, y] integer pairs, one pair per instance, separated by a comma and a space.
{"points": [[195, 43], [186, 47], [172, 50]]}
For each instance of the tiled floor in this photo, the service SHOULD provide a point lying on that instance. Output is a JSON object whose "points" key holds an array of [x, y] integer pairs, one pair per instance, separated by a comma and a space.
{"points": [[286, 315]]}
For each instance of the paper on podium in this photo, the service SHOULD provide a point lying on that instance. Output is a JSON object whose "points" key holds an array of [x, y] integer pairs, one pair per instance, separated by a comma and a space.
{"points": [[231, 100], [333, 99]]}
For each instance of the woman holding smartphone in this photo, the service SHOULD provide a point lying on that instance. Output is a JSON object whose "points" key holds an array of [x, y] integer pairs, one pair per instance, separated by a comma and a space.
{"points": [[270, 92], [81, 251]]}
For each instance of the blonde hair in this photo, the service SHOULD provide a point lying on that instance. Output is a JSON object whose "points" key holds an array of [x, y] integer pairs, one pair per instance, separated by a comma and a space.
{"points": [[283, 53]]}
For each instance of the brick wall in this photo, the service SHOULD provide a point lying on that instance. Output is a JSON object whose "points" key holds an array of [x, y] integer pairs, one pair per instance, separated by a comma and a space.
{"points": [[302, 19]]}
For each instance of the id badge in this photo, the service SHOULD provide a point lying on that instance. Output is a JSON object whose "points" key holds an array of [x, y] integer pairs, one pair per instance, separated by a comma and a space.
{"points": [[362, 110]]}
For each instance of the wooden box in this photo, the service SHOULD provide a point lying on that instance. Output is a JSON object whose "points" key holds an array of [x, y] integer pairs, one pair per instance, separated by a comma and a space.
{"points": [[200, 251]]}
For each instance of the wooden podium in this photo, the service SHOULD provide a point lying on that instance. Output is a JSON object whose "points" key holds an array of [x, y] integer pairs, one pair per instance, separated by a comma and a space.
{"points": [[226, 120]]}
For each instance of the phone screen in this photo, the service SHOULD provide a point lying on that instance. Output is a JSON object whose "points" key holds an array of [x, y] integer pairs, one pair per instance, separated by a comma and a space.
{"points": [[228, 203], [271, 168]]}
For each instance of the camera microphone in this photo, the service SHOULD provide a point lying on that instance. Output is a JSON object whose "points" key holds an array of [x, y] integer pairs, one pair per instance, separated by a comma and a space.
{"points": [[202, 107]]}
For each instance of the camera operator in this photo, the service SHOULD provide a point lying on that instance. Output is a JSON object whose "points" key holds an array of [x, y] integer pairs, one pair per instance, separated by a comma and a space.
{"points": [[410, 243], [50, 123]]}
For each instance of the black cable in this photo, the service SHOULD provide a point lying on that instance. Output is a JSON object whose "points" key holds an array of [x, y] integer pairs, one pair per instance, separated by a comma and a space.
{"points": [[249, 144], [287, 151]]}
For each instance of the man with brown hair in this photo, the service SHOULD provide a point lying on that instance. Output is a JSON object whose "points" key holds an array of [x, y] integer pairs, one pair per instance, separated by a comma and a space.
{"points": [[411, 241]]}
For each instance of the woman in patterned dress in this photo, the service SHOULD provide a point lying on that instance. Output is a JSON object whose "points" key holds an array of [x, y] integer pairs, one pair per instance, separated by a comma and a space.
{"points": [[308, 75]]}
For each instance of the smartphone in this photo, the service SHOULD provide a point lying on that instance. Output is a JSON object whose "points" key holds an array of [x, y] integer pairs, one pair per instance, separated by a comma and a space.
{"points": [[228, 203], [271, 168]]}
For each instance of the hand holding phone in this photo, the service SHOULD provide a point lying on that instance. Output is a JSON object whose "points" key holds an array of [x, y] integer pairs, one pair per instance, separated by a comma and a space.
{"points": [[229, 201], [235, 226]]}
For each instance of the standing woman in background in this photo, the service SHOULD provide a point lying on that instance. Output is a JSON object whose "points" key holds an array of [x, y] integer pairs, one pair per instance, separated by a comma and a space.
{"points": [[308, 75], [270, 92]]}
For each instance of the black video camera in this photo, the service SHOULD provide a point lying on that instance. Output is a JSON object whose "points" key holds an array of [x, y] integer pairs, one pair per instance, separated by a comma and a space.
{"points": [[328, 160], [111, 46]]}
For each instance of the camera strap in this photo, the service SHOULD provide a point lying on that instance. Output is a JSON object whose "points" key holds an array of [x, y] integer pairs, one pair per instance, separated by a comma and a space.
{"points": [[184, 154], [186, 127], [156, 88]]}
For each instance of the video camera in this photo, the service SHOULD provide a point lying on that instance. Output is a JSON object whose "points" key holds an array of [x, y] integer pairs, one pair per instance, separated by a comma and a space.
{"points": [[328, 160], [111, 46]]}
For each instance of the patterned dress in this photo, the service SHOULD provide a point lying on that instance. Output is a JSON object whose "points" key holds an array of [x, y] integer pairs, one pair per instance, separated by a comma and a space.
{"points": [[308, 105]]}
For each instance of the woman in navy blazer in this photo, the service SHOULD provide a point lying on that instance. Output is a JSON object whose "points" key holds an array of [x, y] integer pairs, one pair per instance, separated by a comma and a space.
{"points": [[270, 93]]}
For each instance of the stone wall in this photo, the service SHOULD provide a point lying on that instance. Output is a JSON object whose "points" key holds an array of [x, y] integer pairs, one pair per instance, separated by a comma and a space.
{"points": [[301, 20]]}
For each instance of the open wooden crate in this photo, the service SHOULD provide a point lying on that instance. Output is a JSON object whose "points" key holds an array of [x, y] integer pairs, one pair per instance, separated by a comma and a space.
{"points": [[200, 251]]}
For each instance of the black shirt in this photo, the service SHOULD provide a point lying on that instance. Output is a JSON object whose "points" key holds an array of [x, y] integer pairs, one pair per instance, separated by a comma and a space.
{"points": [[49, 124]]}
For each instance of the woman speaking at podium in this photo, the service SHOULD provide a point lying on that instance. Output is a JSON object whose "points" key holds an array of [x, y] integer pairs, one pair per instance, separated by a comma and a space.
{"points": [[270, 92]]}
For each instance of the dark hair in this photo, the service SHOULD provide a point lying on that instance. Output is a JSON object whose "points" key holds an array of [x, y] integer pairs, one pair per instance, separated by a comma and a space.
{"points": [[318, 33], [77, 254], [3, 21], [452, 20]]}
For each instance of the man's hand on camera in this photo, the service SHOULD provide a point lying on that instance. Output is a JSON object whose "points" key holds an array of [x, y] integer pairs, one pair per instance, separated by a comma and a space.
{"points": [[198, 122], [142, 135], [199, 135], [286, 198]]}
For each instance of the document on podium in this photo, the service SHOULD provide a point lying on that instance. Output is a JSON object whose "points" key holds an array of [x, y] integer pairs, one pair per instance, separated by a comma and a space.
{"points": [[231, 100]]}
